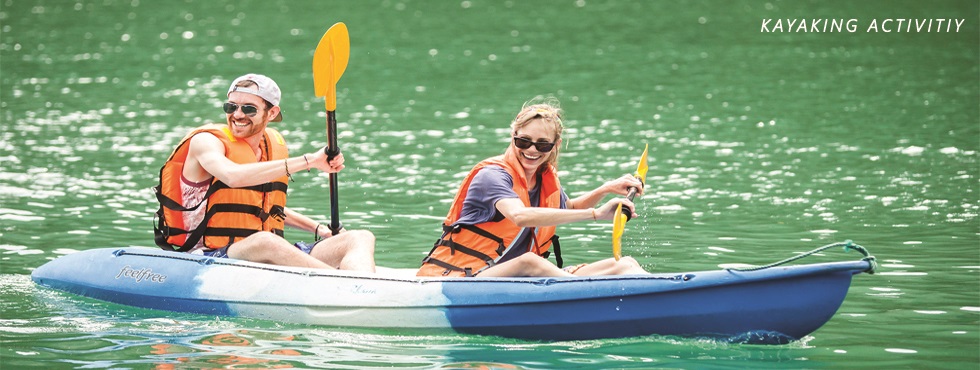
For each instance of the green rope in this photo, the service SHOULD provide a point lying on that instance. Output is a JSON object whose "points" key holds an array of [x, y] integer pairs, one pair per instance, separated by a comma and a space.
{"points": [[848, 246]]}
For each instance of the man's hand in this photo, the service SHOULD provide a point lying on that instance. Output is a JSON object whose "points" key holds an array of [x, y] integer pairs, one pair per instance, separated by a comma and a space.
{"points": [[318, 160]]}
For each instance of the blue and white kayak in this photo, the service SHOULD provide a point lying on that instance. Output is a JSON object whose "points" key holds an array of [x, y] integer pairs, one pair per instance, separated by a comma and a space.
{"points": [[772, 305]]}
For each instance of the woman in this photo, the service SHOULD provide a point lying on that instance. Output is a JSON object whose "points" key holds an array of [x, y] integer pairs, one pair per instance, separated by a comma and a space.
{"points": [[502, 221]]}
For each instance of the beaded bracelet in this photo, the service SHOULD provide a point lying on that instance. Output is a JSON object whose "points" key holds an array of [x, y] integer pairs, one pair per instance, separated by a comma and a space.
{"points": [[285, 162]]}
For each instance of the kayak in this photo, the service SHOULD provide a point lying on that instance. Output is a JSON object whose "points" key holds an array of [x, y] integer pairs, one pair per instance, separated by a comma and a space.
{"points": [[769, 305]]}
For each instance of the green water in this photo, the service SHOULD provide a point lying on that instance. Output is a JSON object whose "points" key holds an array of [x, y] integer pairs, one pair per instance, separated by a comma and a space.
{"points": [[763, 145]]}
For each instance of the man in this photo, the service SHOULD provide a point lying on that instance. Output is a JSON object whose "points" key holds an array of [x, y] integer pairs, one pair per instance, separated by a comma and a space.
{"points": [[223, 190]]}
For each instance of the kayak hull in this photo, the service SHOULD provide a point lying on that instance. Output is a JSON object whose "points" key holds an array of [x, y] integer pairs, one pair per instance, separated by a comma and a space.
{"points": [[774, 305]]}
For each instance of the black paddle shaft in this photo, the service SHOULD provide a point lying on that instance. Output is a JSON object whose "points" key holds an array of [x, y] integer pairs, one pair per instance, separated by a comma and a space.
{"points": [[630, 195], [332, 150]]}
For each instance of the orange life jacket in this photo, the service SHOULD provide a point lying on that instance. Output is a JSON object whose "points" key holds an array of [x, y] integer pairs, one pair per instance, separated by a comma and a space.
{"points": [[466, 250], [232, 213]]}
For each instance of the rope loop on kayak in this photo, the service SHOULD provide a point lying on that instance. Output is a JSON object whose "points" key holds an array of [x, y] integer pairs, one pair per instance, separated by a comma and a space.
{"points": [[847, 245]]}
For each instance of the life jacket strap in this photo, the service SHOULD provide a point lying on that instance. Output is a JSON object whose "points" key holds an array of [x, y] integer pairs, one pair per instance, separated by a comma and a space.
{"points": [[449, 268], [464, 249], [268, 187], [229, 231], [239, 208], [558, 260], [478, 231]]}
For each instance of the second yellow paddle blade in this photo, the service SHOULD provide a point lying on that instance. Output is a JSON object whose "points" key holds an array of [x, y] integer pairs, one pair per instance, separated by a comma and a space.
{"points": [[619, 224], [641, 168]]}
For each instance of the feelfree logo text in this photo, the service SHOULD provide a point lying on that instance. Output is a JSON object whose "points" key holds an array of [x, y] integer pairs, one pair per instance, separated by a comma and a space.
{"points": [[144, 274]]}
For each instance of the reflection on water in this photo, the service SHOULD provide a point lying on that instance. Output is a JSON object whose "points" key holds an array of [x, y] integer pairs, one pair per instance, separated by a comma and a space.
{"points": [[211, 351]]}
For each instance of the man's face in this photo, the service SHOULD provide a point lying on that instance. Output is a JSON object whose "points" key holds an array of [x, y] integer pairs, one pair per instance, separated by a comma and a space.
{"points": [[241, 124]]}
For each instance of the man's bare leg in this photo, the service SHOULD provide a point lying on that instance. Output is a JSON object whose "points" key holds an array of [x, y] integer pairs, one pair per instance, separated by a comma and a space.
{"points": [[349, 250], [266, 247]]}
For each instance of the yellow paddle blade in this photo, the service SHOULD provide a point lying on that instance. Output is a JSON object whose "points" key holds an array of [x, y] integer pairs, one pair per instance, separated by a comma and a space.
{"points": [[641, 168], [619, 224], [329, 63]]}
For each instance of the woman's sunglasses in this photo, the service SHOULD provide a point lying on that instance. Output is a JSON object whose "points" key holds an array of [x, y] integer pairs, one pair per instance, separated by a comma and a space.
{"points": [[247, 109], [523, 143]]}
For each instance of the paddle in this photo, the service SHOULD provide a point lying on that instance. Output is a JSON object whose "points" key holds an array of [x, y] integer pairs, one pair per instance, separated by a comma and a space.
{"points": [[329, 62], [623, 215]]}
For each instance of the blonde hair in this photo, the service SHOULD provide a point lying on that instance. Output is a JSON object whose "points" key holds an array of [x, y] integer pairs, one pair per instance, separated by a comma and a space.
{"points": [[544, 109]]}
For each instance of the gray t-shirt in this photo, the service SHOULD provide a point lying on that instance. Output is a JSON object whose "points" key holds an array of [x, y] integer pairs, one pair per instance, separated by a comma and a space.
{"points": [[490, 185]]}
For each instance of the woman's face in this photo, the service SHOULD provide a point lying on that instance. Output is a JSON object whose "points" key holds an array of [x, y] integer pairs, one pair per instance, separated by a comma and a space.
{"points": [[537, 131]]}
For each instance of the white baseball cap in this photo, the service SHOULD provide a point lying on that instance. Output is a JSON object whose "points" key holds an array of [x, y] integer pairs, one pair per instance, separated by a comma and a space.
{"points": [[264, 88]]}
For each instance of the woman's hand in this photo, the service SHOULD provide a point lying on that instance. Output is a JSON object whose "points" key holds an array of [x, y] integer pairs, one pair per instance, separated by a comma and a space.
{"points": [[622, 185], [323, 231], [608, 210]]}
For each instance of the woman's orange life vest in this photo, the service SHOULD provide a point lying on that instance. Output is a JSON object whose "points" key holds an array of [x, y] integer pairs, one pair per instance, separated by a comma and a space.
{"points": [[232, 213], [466, 250]]}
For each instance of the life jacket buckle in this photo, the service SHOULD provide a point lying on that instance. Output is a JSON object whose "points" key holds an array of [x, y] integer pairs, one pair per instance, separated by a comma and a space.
{"points": [[278, 212]]}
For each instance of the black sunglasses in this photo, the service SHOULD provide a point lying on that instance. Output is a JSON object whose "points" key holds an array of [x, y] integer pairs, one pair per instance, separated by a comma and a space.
{"points": [[523, 143], [247, 109]]}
